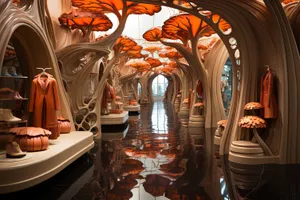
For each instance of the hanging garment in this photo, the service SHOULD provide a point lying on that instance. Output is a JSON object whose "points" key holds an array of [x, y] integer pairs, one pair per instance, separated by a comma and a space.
{"points": [[199, 89], [268, 96], [112, 92], [105, 98], [44, 101]]}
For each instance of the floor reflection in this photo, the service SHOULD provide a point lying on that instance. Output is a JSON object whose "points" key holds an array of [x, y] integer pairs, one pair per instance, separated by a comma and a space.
{"points": [[154, 161], [157, 159]]}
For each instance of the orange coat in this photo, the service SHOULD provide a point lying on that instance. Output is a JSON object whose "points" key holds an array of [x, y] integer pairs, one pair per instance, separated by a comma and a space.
{"points": [[44, 102], [268, 96]]}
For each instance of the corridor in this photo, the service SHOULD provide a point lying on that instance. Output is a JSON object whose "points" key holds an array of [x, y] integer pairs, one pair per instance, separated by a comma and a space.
{"points": [[155, 160]]}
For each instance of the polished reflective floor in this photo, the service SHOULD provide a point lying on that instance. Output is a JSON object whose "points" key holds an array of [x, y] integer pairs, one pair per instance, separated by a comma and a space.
{"points": [[157, 159]]}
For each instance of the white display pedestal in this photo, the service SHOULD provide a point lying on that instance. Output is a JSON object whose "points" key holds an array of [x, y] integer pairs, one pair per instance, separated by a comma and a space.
{"points": [[114, 136], [196, 121], [184, 115], [114, 118], [132, 109], [36, 167]]}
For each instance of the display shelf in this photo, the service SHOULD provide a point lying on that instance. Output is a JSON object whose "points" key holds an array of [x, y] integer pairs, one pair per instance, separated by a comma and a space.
{"points": [[9, 99], [18, 174], [114, 118], [14, 77], [131, 108]]}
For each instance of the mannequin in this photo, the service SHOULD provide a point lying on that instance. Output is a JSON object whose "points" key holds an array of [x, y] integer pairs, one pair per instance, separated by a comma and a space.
{"points": [[199, 89], [106, 96], [267, 95], [44, 101]]}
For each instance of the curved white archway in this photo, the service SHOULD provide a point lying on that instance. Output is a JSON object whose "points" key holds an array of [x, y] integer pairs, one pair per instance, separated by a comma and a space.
{"points": [[159, 87]]}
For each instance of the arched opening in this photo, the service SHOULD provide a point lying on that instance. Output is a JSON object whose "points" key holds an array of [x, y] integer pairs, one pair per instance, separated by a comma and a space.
{"points": [[14, 86], [139, 90], [27, 50], [19, 66], [33, 51], [159, 87], [226, 86]]}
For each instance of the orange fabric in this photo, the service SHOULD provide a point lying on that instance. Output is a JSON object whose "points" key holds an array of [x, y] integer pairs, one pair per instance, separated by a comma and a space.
{"points": [[267, 95], [44, 103], [55, 131], [112, 92], [199, 89]]}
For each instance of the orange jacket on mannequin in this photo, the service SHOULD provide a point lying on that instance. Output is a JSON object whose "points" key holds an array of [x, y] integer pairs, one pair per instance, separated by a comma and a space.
{"points": [[267, 95], [44, 101]]}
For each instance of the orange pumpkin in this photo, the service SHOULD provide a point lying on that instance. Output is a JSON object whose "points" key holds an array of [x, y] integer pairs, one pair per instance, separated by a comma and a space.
{"points": [[31, 138], [64, 125], [28, 143]]}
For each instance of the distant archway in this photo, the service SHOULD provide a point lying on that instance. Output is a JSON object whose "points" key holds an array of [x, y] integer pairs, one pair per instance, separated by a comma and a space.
{"points": [[159, 87], [139, 90]]}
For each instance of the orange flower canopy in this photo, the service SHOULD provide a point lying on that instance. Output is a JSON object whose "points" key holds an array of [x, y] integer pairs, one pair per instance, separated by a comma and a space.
{"points": [[187, 26], [139, 65], [253, 106], [170, 54], [251, 121], [171, 64], [138, 55], [152, 49], [76, 18], [169, 48], [154, 62], [126, 45], [113, 6], [153, 34]]}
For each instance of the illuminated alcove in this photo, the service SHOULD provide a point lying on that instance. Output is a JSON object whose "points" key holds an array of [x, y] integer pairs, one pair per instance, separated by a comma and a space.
{"points": [[159, 87]]}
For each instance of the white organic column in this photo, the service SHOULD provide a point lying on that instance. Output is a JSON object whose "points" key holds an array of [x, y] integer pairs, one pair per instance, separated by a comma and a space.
{"points": [[184, 114]]}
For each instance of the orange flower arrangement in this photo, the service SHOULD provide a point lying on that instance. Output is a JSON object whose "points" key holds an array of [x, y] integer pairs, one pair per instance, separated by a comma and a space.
{"points": [[251, 121]]}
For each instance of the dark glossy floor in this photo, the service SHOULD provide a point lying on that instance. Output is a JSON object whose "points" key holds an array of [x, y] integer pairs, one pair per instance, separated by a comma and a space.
{"points": [[158, 159]]}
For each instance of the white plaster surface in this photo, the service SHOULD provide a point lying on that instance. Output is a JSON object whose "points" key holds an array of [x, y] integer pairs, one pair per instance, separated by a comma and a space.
{"points": [[132, 108], [114, 118]]}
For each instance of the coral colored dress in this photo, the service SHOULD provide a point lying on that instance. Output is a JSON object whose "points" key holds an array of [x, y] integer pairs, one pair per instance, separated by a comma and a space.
{"points": [[267, 96], [199, 89], [44, 102]]}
